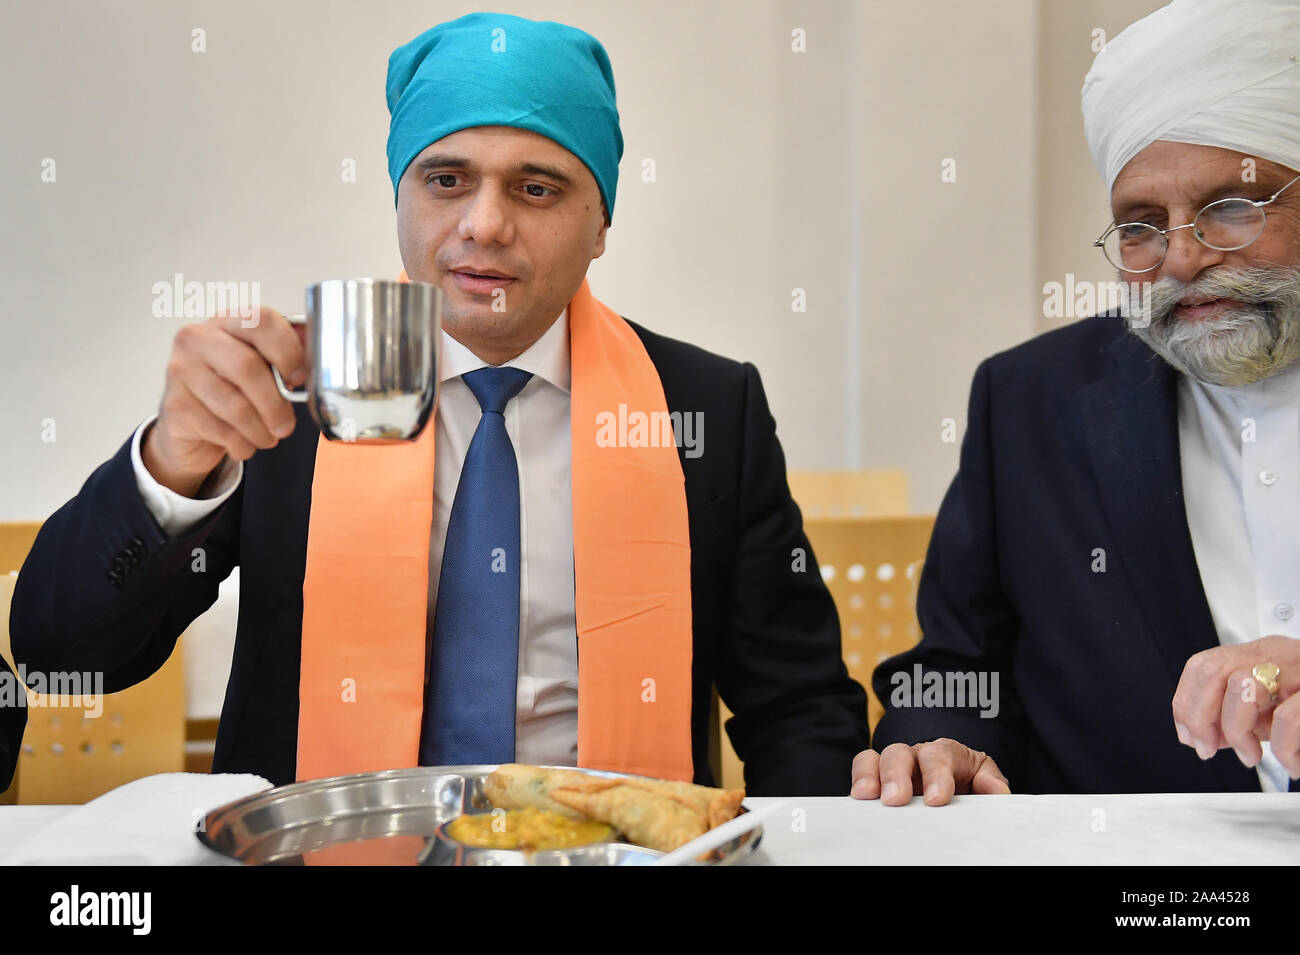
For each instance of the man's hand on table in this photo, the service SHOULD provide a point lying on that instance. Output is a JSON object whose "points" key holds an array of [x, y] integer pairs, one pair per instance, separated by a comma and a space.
{"points": [[940, 769], [1220, 703]]}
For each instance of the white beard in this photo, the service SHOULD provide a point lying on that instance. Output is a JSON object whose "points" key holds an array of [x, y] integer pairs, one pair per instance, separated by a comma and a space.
{"points": [[1238, 346]]}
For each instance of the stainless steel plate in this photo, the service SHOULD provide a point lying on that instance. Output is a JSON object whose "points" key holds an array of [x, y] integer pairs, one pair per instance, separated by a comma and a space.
{"points": [[391, 818]]}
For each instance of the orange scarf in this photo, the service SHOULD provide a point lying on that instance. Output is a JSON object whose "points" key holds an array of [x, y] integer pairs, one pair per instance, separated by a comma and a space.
{"points": [[365, 591]]}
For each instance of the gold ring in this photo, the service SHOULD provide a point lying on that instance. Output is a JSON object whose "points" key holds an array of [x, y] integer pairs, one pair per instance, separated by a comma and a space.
{"points": [[1267, 674]]}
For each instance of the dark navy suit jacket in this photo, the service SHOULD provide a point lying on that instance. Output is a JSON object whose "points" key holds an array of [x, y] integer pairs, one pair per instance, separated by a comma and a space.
{"points": [[1070, 453], [103, 588]]}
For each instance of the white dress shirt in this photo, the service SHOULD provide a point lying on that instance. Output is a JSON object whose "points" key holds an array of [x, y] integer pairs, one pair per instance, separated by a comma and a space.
{"points": [[1240, 450], [537, 420]]}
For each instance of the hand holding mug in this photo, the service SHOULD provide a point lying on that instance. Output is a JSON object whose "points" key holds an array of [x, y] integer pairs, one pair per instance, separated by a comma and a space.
{"points": [[220, 397]]}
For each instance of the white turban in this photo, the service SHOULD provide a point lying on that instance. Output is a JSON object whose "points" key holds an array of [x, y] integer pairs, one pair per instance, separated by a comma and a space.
{"points": [[1212, 72]]}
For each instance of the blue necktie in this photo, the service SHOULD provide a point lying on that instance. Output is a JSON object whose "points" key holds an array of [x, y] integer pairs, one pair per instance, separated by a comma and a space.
{"points": [[469, 702]]}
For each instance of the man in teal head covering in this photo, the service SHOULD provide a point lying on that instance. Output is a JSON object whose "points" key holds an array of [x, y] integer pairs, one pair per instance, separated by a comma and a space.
{"points": [[487, 69], [674, 571], [503, 151]]}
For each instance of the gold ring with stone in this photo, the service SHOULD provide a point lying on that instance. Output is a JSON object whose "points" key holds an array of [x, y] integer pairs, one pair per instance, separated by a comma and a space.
{"points": [[1267, 674]]}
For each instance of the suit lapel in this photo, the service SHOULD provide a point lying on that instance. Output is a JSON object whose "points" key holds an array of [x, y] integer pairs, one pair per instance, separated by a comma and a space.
{"points": [[1130, 417]]}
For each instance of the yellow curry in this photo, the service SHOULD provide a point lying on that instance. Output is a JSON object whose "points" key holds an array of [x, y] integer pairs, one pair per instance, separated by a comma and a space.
{"points": [[528, 829]]}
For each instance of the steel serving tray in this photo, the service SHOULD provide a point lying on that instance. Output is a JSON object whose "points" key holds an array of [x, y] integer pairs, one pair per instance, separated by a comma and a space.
{"points": [[394, 817]]}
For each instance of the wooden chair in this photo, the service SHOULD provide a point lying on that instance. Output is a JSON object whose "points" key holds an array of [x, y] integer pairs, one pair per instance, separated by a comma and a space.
{"points": [[872, 567], [880, 492], [200, 744], [16, 539], [71, 754]]}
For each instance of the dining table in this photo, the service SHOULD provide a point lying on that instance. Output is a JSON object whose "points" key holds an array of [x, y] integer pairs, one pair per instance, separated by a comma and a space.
{"points": [[154, 821]]}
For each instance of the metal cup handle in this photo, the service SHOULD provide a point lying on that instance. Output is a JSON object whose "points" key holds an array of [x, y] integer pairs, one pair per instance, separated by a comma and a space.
{"points": [[295, 396]]}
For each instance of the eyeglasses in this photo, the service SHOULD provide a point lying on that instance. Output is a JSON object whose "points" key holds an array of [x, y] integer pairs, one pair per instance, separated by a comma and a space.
{"points": [[1225, 225]]}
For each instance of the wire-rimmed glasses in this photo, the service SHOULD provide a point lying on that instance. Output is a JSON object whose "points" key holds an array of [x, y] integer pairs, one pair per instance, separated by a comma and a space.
{"points": [[1224, 225]]}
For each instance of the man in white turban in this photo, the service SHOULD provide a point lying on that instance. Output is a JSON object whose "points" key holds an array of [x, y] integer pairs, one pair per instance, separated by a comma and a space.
{"points": [[1123, 533]]}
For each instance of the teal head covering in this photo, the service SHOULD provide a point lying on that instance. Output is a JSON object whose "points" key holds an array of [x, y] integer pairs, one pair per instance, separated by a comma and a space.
{"points": [[492, 69]]}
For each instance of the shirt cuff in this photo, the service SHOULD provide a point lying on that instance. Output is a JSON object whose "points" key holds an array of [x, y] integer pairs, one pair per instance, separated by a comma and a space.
{"points": [[174, 512]]}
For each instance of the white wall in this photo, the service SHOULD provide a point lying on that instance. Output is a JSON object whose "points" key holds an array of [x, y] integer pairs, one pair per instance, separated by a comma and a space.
{"points": [[945, 271]]}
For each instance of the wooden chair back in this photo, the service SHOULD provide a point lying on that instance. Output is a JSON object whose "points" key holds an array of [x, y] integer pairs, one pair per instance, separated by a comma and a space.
{"points": [[16, 539], [872, 567], [874, 492]]}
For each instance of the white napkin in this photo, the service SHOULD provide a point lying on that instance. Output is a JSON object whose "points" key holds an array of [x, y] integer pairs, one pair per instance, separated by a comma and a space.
{"points": [[149, 821]]}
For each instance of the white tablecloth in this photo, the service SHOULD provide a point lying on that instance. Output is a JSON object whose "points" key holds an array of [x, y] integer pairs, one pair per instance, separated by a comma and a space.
{"points": [[1218, 829], [20, 823], [149, 821]]}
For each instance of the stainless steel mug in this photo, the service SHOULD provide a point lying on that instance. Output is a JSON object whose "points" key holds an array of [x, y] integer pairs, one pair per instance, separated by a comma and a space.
{"points": [[372, 355]]}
